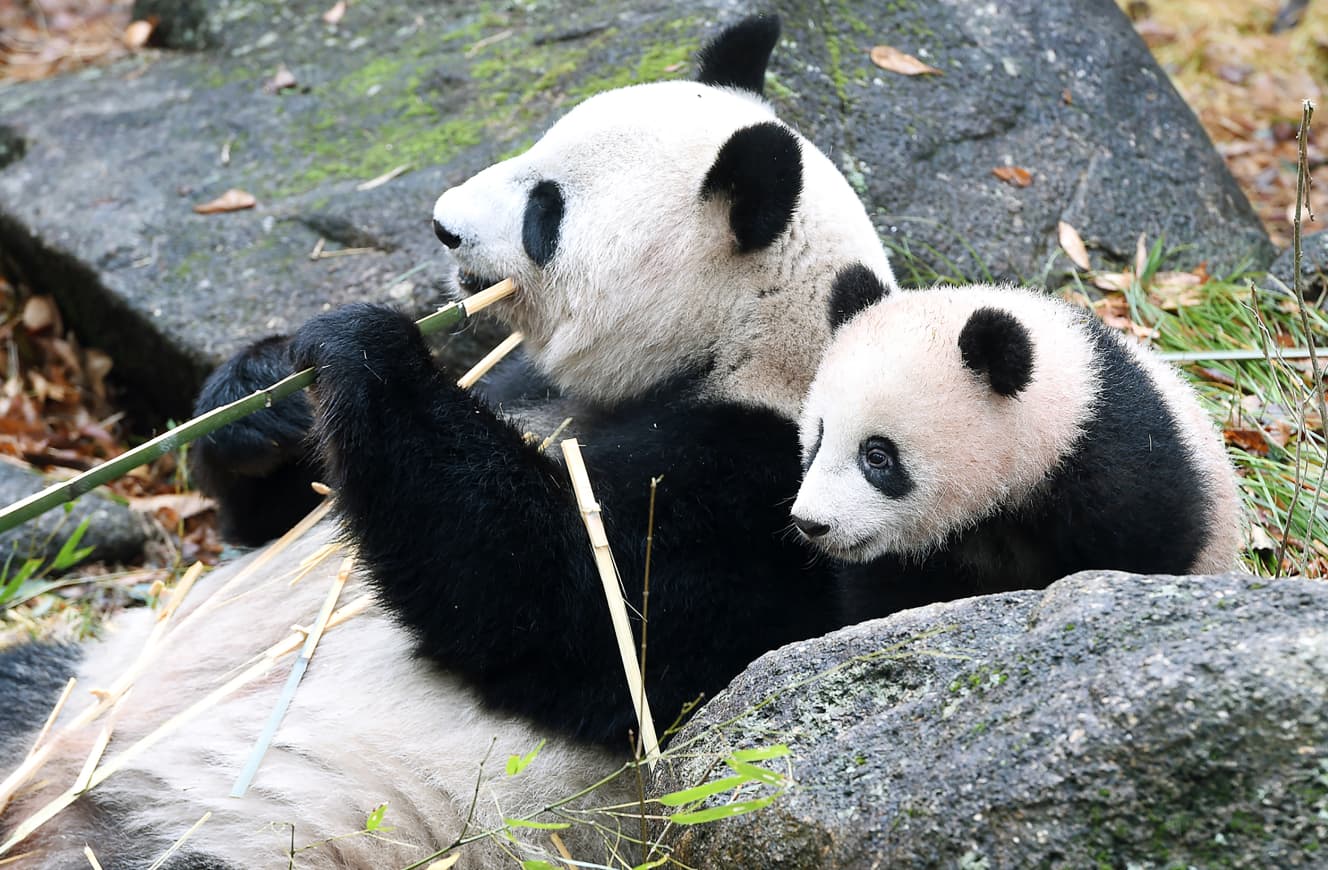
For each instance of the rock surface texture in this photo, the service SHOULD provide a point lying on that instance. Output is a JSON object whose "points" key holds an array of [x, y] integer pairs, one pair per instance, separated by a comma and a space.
{"points": [[99, 171], [115, 532], [1111, 720]]}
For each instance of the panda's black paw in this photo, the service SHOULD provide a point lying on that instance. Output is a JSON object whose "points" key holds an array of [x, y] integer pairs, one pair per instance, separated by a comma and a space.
{"points": [[259, 467], [255, 444], [358, 342]]}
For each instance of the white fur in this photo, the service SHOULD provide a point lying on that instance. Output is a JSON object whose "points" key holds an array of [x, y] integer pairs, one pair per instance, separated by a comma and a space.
{"points": [[896, 370], [646, 279], [369, 724]]}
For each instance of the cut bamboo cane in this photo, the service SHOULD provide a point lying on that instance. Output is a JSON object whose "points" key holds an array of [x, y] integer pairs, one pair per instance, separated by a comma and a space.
{"points": [[608, 575], [250, 769], [35, 505], [491, 359]]}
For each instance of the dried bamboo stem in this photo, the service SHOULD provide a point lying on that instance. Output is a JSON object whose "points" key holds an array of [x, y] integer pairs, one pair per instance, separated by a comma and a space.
{"points": [[175, 847], [491, 359], [250, 769], [37, 504], [608, 574]]}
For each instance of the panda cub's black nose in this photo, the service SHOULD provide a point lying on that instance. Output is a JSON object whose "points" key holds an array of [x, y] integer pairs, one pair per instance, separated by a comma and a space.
{"points": [[809, 528], [447, 237]]}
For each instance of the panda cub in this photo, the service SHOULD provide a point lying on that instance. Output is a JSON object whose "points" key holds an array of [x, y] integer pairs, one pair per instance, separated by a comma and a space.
{"points": [[971, 440]]}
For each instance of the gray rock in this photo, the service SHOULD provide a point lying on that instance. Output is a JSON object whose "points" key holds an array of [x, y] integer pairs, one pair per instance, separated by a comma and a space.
{"points": [[1111, 720], [115, 533], [1313, 265], [100, 169]]}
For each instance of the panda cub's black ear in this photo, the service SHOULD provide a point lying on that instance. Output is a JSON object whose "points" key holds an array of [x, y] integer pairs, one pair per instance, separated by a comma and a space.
{"points": [[738, 56], [855, 287], [759, 171], [996, 345]]}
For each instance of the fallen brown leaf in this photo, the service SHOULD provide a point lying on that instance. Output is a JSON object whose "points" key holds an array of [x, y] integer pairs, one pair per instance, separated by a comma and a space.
{"points": [[1015, 175], [231, 200], [336, 13], [1173, 290], [893, 60], [137, 34], [1141, 255], [1117, 282], [1249, 440], [40, 313], [1073, 245], [284, 79]]}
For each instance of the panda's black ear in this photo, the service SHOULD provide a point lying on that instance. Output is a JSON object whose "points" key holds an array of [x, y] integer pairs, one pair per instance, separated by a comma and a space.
{"points": [[737, 57], [996, 345], [759, 172], [855, 287]]}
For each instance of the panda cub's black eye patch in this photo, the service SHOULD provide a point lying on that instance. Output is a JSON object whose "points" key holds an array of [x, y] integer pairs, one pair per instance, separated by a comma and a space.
{"points": [[878, 457], [542, 222]]}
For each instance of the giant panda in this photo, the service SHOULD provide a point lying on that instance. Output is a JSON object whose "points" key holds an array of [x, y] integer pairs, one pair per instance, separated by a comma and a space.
{"points": [[676, 248], [966, 440]]}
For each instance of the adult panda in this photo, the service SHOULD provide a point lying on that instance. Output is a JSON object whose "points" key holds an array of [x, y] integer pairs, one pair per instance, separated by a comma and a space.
{"points": [[675, 248], [968, 440]]}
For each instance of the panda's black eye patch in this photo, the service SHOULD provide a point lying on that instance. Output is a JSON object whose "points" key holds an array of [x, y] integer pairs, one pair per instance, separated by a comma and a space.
{"points": [[543, 221], [879, 459]]}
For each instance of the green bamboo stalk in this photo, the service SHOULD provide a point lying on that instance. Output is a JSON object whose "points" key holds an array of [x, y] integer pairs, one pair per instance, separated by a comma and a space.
{"points": [[57, 494]]}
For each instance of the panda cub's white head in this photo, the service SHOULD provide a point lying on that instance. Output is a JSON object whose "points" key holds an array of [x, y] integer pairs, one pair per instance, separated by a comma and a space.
{"points": [[935, 409], [669, 227]]}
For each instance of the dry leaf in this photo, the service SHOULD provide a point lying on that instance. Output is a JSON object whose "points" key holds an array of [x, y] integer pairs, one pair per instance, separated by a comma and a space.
{"points": [[137, 34], [1073, 246], [1173, 290], [283, 80], [1249, 440], [40, 313], [894, 60], [1114, 311], [1141, 255], [183, 505], [1260, 540], [1016, 175], [335, 14], [1117, 282], [231, 200]]}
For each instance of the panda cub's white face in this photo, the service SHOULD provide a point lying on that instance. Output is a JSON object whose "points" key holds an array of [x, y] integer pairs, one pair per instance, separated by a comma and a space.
{"points": [[933, 409]]}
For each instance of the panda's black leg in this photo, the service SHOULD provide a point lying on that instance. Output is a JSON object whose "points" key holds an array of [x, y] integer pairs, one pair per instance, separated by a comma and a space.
{"points": [[31, 677], [470, 535], [259, 468]]}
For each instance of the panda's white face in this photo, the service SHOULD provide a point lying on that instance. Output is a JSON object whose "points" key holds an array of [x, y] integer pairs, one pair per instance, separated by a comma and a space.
{"points": [[628, 263], [908, 438]]}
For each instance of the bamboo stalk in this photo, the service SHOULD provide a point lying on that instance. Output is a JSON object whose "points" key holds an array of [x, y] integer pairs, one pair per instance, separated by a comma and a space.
{"points": [[491, 359], [279, 709], [57, 494], [608, 574], [175, 847]]}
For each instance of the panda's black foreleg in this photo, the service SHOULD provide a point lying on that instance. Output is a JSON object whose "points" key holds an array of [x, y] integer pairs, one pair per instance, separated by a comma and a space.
{"points": [[259, 468], [470, 535]]}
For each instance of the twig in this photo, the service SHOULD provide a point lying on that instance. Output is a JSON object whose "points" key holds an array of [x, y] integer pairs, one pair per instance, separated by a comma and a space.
{"points": [[57, 494], [92, 858], [1298, 283], [645, 626], [490, 359], [301, 665], [1234, 355], [175, 847], [608, 574]]}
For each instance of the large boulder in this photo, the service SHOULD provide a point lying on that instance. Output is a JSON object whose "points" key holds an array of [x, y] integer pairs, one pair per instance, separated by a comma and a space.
{"points": [[99, 171], [115, 533], [1111, 720]]}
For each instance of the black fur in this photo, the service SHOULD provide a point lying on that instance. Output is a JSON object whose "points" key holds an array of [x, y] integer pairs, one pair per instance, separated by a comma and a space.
{"points": [[1128, 498], [472, 537], [759, 171], [739, 55], [855, 287], [32, 676], [995, 344], [258, 468], [893, 480], [542, 222]]}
